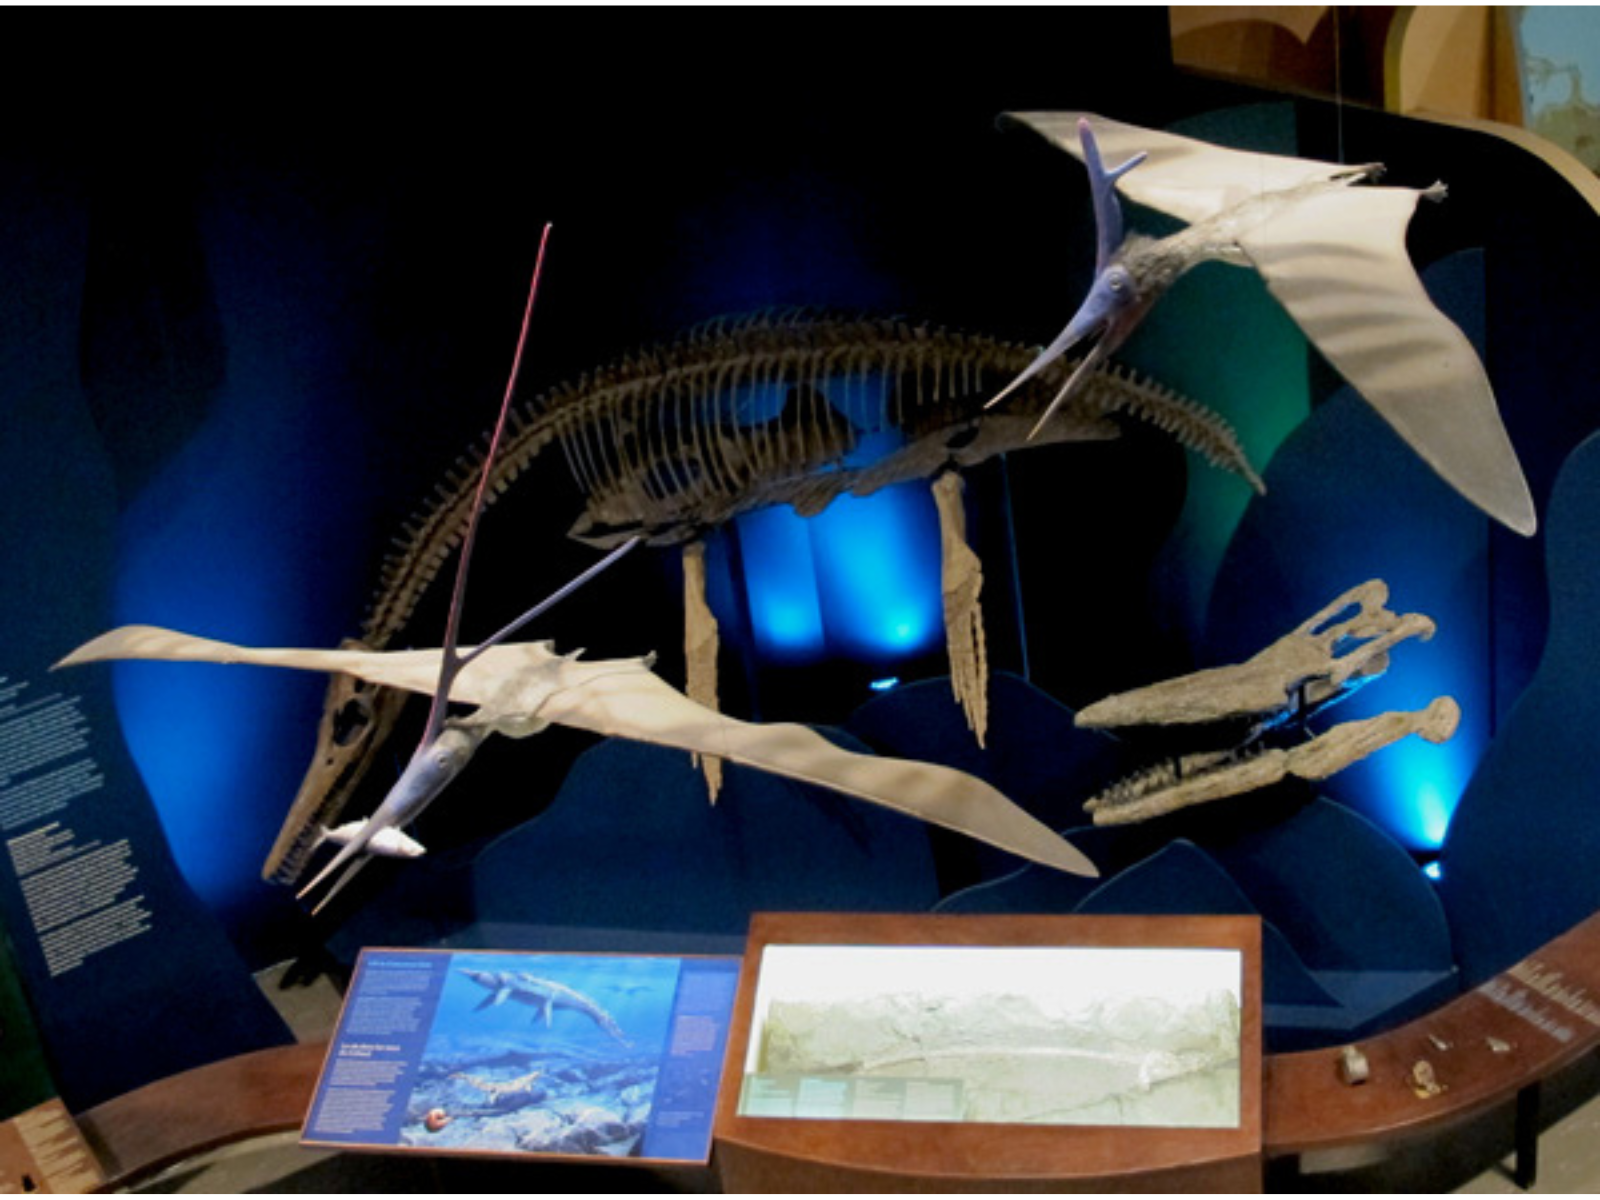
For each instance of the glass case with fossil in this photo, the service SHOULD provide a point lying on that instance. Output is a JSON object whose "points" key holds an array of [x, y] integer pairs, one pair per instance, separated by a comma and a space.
{"points": [[1087, 1046], [1051, 1035]]}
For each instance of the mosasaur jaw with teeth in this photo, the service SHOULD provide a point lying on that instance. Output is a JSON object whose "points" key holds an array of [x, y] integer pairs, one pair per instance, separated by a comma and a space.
{"points": [[1259, 711]]}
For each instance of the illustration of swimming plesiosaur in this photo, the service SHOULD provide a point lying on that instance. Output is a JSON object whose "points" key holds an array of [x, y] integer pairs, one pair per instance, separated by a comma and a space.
{"points": [[544, 996]]}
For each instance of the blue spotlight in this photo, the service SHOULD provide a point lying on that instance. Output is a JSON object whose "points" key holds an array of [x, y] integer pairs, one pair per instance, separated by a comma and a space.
{"points": [[877, 572], [218, 544], [780, 583], [1416, 787]]}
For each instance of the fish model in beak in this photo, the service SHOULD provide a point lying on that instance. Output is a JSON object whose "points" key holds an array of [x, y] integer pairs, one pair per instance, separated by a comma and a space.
{"points": [[432, 769]]}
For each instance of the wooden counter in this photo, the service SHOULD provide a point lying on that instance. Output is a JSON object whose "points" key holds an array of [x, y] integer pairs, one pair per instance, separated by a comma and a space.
{"points": [[1544, 1012], [1546, 1009]]}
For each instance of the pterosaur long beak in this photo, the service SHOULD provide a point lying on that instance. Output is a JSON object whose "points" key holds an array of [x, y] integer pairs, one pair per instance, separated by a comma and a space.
{"points": [[1083, 323], [347, 853], [352, 869], [1111, 310], [1096, 355]]}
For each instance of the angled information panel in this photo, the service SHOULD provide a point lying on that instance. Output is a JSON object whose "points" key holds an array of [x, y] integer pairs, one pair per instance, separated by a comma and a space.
{"points": [[588, 1056]]}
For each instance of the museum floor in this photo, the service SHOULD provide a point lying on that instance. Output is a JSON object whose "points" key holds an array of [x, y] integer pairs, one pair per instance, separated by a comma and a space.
{"points": [[1474, 1159]]}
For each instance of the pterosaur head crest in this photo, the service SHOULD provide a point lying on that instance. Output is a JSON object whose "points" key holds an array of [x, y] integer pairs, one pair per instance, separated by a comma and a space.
{"points": [[1116, 302], [1103, 191]]}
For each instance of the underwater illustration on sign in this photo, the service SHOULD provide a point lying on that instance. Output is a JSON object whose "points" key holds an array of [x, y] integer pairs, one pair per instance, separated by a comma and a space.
{"points": [[1229, 730], [1040, 1035], [793, 408], [1332, 253], [576, 1055], [521, 689], [553, 1055]]}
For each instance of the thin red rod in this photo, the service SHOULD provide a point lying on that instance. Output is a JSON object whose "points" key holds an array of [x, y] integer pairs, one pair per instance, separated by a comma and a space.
{"points": [[449, 660]]}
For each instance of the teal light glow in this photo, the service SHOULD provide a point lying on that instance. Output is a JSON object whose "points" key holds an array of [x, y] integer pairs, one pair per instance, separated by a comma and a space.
{"points": [[861, 580], [1221, 339], [1432, 810]]}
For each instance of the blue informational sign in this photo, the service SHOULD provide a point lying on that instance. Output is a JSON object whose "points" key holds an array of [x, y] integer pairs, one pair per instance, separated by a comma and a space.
{"points": [[129, 976], [567, 1055]]}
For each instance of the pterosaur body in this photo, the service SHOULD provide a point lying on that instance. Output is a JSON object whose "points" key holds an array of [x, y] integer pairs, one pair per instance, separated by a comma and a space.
{"points": [[1332, 253], [521, 688]]}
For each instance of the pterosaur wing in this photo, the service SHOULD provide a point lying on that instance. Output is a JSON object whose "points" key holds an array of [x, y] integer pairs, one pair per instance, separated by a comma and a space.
{"points": [[1337, 262], [1180, 176], [519, 686], [640, 705], [412, 670]]}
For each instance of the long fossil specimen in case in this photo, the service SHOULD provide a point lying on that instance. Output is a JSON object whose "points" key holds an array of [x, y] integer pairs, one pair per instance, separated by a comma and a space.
{"points": [[733, 416]]}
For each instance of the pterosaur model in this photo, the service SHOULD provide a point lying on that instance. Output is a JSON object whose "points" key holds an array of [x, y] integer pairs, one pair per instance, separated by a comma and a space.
{"points": [[1333, 254], [522, 688]]}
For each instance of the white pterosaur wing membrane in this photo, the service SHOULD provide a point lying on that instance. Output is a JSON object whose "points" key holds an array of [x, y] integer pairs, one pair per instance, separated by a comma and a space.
{"points": [[518, 687], [1337, 262], [1181, 177]]}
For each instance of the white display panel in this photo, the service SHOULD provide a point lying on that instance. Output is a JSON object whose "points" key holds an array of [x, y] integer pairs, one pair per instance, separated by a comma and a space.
{"points": [[1045, 1035]]}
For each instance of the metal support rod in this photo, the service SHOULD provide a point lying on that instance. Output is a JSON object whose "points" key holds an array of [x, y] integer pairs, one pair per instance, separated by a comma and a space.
{"points": [[1526, 1173]]}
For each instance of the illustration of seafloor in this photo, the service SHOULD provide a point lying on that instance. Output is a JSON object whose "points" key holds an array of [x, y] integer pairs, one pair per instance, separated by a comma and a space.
{"points": [[497, 1077]]}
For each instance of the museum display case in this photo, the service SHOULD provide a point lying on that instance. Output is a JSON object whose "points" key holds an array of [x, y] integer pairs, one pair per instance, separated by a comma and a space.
{"points": [[1074, 587]]}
